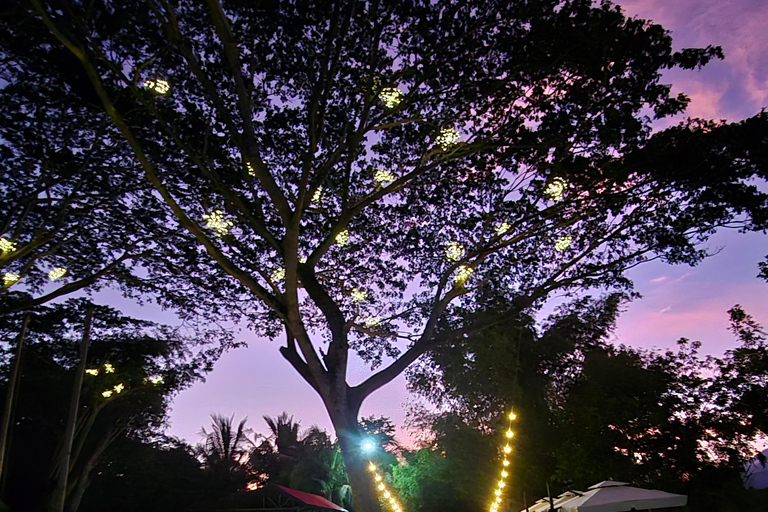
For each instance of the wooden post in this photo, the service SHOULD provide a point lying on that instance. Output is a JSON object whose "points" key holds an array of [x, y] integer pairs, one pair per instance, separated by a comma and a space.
{"points": [[59, 496]]}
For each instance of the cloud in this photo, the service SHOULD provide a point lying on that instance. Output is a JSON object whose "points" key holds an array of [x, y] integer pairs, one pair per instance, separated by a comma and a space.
{"points": [[659, 279], [668, 308]]}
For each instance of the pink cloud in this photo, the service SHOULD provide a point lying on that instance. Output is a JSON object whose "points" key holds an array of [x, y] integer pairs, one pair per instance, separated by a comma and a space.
{"points": [[659, 279]]}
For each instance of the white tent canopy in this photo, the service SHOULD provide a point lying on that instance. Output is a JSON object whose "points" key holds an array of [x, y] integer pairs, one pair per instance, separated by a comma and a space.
{"points": [[610, 496]]}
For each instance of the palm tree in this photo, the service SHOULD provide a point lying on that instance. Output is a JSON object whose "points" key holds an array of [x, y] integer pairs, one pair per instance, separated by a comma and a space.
{"points": [[286, 434], [225, 449]]}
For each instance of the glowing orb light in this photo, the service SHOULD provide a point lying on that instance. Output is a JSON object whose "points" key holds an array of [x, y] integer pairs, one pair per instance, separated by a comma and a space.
{"points": [[9, 278], [447, 138], [158, 85], [390, 97], [563, 243], [218, 222], [57, 273]]}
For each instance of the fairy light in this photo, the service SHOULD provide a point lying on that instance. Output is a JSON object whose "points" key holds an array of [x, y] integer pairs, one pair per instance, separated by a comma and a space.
{"points": [[390, 97], [92, 371], [108, 368], [343, 238], [358, 295], [7, 245], [278, 275], [317, 196], [249, 168], [555, 188], [462, 274], [383, 176], [157, 379], [501, 484], [9, 278], [107, 393], [447, 138], [57, 273], [372, 321], [385, 493], [119, 388], [502, 228], [218, 222], [454, 251], [563, 243], [158, 85]]}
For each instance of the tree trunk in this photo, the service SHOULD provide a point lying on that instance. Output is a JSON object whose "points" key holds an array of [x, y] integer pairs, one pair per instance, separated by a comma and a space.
{"points": [[9, 399], [59, 495], [355, 461]]}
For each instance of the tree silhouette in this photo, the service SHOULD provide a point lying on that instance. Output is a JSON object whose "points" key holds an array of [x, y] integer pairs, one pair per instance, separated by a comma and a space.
{"points": [[360, 174]]}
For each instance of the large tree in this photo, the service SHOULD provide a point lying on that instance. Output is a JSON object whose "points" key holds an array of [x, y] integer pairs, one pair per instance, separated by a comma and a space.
{"points": [[363, 172]]}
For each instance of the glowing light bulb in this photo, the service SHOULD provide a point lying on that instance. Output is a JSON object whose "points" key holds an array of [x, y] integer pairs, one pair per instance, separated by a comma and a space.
{"points": [[502, 228], [92, 371], [318, 195], [454, 251], [372, 321], [510, 434], [157, 379], [556, 188], [447, 138], [119, 388], [249, 167], [358, 295], [501, 484], [343, 238], [7, 245], [218, 222], [563, 243], [57, 273], [9, 278], [371, 467], [507, 449], [390, 97], [387, 494], [462, 274], [506, 462], [512, 416], [381, 487], [158, 85], [498, 492], [108, 368], [383, 176], [278, 275], [107, 393], [378, 478], [504, 474]]}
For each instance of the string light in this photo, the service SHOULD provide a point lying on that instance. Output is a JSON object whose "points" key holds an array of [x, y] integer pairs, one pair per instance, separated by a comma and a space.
{"points": [[358, 295], [9, 278], [390, 97], [447, 138], [318, 195], [57, 273], [454, 251], [118, 388], [382, 488], [218, 222], [502, 228], [107, 393], [343, 238], [278, 275], [556, 188], [108, 368], [383, 176], [563, 243], [7, 245], [92, 371], [157, 379], [158, 85], [249, 167], [501, 484], [462, 274]]}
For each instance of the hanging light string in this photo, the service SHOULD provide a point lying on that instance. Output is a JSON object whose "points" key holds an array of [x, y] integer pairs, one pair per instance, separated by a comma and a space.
{"points": [[384, 493], [501, 485]]}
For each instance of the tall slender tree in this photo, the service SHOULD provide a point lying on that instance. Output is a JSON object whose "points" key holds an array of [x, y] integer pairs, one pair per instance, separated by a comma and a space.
{"points": [[362, 172]]}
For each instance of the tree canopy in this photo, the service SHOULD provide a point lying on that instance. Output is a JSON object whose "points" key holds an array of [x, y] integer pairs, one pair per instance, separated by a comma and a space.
{"points": [[361, 174]]}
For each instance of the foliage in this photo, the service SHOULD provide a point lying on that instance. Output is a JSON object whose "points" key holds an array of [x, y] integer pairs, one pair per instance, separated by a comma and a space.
{"points": [[225, 450]]}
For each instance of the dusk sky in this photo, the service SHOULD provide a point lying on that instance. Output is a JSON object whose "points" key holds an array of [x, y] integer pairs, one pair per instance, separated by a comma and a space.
{"points": [[678, 301]]}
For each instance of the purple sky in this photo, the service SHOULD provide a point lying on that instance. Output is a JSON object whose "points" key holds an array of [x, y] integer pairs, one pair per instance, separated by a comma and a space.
{"points": [[677, 300]]}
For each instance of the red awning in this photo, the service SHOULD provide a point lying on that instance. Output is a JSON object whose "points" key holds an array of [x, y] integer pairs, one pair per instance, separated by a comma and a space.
{"points": [[312, 500]]}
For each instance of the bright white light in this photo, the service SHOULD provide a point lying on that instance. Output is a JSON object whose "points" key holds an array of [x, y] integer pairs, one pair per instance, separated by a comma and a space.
{"points": [[556, 188], [119, 388], [218, 222], [563, 243], [358, 295], [343, 238], [107, 393], [57, 273], [157, 379], [447, 138], [502, 228], [158, 85], [9, 278], [318, 196], [390, 97], [92, 371], [249, 167], [7, 245], [108, 368], [462, 274], [383, 176], [454, 251], [278, 275]]}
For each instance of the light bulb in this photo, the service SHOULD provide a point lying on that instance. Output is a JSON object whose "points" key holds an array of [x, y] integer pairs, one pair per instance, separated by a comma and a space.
{"points": [[512, 416], [107, 393], [158, 85], [556, 188], [7, 245], [462, 274], [217, 221], [381, 487], [504, 474], [390, 97], [447, 138], [358, 295], [502, 228], [383, 176], [371, 467], [92, 371], [57, 273], [563, 243], [507, 449], [9, 278], [510, 434], [343, 238], [120, 387], [108, 368], [278, 275], [506, 462], [454, 251]]}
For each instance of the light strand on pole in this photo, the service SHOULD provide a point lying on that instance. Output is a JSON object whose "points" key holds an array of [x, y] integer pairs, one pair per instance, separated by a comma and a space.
{"points": [[384, 493], [507, 449]]}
